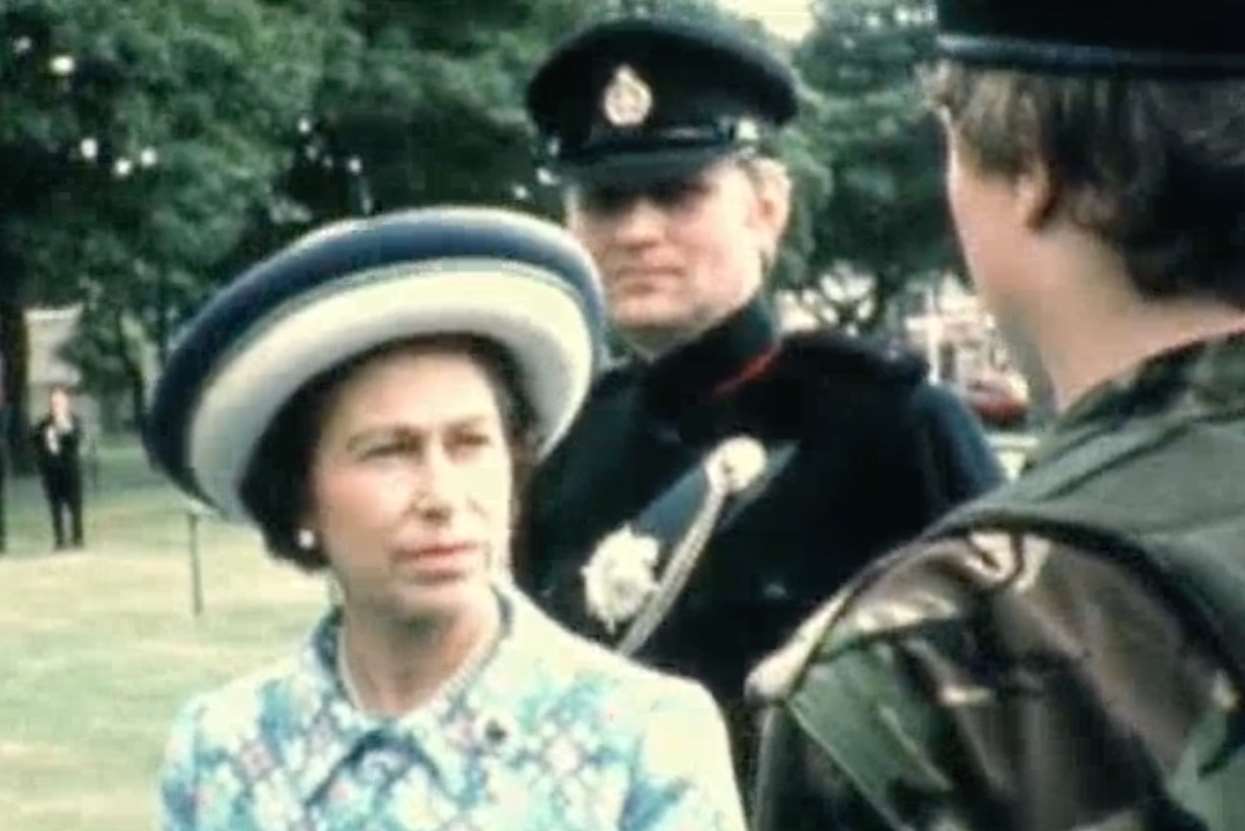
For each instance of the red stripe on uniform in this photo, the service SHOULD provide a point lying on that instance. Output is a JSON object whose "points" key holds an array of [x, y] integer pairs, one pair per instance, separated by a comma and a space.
{"points": [[753, 369]]}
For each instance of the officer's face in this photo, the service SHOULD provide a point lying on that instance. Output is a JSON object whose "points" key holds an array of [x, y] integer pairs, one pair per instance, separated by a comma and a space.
{"points": [[678, 256], [411, 485]]}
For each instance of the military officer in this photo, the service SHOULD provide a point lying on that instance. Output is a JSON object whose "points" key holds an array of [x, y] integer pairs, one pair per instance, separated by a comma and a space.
{"points": [[663, 134], [1068, 652]]}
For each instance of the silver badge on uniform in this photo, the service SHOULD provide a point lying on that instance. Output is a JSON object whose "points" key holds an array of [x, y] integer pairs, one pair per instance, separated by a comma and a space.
{"points": [[747, 130], [628, 100]]}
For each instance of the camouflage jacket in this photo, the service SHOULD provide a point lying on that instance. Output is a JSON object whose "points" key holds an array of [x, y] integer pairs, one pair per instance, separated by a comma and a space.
{"points": [[1004, 675]]}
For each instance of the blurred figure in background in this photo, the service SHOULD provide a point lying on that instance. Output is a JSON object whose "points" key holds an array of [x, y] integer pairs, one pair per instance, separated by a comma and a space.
{"points": [[57, 441]]}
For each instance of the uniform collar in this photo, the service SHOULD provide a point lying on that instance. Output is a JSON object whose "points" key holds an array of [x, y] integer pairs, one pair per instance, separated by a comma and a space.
{"points": [[1190, 382], [471, 720], [715, 364]]}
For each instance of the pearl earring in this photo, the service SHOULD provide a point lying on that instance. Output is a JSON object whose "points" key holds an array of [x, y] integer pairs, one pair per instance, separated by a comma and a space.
{"points": [[306, 539]]}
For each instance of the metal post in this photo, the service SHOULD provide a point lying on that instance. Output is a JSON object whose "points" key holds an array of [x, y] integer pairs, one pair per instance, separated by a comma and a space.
{"points": [[4, 494], [933, 334], [93, 462], [4, 474], [196, 579]]}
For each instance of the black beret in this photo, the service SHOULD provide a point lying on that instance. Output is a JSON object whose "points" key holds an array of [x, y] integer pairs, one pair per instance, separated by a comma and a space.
{"points": [[1155, 38], [518, 281], [653, 98]]}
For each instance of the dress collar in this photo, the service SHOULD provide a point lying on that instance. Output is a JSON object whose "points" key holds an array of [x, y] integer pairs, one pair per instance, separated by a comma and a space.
{"points": [[460, 722]]}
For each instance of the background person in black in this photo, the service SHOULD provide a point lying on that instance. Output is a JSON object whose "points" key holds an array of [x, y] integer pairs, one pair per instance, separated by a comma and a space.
{"points": [[659, 131], [57, 439]]}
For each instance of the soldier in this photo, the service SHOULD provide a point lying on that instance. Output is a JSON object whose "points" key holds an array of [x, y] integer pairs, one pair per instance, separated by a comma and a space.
{"points": [[648, 538], [1068, 652]]}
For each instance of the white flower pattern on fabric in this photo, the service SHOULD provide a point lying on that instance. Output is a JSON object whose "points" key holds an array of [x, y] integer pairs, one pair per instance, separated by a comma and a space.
{"points": [[620, 576], [557, 734]]}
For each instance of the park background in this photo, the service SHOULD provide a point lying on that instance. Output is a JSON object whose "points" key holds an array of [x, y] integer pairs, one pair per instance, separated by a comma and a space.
{"points": [[101, 646], [150, 150]]}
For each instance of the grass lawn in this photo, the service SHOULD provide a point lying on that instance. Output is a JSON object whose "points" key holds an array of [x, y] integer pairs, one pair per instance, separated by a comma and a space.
{"points": [[99, 647]]}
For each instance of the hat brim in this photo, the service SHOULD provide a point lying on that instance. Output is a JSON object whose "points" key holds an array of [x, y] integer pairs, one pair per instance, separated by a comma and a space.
{"points": [[551, 345], [508, 278], [644, 168], [1058, 57]]}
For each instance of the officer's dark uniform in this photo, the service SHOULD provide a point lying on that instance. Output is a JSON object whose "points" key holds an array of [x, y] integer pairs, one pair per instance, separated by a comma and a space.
{"points": [[58, 458], [862, 453]]}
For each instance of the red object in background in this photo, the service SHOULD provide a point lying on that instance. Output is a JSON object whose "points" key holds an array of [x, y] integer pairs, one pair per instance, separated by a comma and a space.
{"points": [[995, 404]]}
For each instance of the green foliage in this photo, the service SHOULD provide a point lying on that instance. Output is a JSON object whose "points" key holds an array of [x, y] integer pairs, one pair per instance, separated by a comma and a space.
{"points": [[423, 103], [882, 222], [144, 136], [269, 116]]}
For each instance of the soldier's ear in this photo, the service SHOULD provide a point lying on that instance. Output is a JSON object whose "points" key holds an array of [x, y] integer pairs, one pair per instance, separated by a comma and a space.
{"points": [[1037, 194], [773, 189]]}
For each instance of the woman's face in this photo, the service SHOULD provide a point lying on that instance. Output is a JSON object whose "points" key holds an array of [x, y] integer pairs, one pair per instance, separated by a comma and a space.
{"points": [[411, 484]]}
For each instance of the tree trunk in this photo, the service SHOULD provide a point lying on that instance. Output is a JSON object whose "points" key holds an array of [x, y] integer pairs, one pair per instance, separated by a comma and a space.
{"points": [[4, 484], [133, 371], [162, 318], [15, 354], [886, 287]]}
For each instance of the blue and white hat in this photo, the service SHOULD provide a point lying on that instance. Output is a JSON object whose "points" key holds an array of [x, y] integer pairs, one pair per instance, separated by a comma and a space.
{"points": [[513, 279]]}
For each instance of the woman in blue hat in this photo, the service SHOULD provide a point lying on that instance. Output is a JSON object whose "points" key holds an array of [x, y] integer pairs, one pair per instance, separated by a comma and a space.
{"points": [[373, 398]]}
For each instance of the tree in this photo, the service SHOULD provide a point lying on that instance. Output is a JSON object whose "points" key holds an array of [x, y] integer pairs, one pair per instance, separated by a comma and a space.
{"points": [[882, 222], [141, 136], [423, 103]]}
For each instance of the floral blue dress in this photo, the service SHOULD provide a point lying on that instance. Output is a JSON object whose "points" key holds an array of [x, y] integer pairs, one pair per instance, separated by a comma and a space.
{"points": [[550, 733]]}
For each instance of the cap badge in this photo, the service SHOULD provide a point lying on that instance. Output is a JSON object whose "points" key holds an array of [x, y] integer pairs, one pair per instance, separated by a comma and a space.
{"points": [[628, 100], [747, 131]]}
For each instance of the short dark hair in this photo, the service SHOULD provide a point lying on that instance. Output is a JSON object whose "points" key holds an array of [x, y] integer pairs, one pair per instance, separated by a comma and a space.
{"points": [[1154, 167], [276, 486]]}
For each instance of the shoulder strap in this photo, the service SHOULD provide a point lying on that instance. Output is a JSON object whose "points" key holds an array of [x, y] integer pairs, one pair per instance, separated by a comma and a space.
{"points": [[620, 576], [735, 472], [1164, 501]]}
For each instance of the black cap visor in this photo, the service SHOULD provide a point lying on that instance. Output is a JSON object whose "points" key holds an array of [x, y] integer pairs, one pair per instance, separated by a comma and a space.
{"points": [[646, 167]]}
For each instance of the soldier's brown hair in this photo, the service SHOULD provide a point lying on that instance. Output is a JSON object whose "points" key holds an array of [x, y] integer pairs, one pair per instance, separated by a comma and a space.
{"points": [[1154, 167]]}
